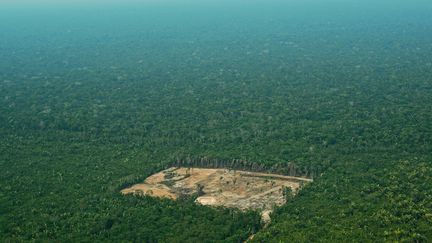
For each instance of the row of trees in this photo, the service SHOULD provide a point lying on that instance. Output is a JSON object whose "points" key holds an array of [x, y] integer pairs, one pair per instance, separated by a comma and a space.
{"points": [[287, 168]]}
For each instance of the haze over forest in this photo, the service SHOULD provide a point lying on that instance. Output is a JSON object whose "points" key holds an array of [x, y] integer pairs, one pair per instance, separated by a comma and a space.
{"points": [[98, 96]]}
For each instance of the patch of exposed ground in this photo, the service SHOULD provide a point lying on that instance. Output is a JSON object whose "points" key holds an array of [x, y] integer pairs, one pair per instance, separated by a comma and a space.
{"points": [[222, 187]]}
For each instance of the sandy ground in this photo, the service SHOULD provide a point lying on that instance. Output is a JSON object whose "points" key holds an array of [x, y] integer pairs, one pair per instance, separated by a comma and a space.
{"points": [[221, 187]]}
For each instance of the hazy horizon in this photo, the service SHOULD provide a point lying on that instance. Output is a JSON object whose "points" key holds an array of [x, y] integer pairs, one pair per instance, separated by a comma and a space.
{"points": [[96, 96]]}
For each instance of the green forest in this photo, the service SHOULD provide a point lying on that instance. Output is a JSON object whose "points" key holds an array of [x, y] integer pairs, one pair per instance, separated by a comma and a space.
{"points": [[80, 120]]}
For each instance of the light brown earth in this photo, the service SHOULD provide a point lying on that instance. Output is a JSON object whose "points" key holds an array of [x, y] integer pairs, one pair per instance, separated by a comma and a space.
{"points": [[221, 187]]}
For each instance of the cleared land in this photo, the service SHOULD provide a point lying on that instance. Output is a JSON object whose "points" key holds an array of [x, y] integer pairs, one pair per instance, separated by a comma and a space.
{"points": [[221, 187]]}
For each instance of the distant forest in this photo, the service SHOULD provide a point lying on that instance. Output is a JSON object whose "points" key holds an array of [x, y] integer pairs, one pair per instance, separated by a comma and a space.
{"points": [[87, 107]]}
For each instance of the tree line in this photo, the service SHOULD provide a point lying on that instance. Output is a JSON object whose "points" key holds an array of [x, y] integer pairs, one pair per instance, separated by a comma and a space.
{"points": [[283, 168]]}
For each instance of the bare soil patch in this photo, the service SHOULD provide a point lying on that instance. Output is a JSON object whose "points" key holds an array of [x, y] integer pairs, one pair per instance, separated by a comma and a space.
{"points": [[221, 187]]}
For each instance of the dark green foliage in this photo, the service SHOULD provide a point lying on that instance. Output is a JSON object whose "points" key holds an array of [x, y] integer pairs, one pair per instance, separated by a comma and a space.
{"points": [[287, 193], [87, 109], [370, 201], [74, 196]]}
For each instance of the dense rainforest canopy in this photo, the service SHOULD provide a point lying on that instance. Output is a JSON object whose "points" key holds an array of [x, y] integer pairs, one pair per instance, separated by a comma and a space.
{"points": [[91, 103]]}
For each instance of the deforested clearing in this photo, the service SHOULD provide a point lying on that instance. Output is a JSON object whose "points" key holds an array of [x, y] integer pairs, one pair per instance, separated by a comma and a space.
{"points": [[222, 187]]}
